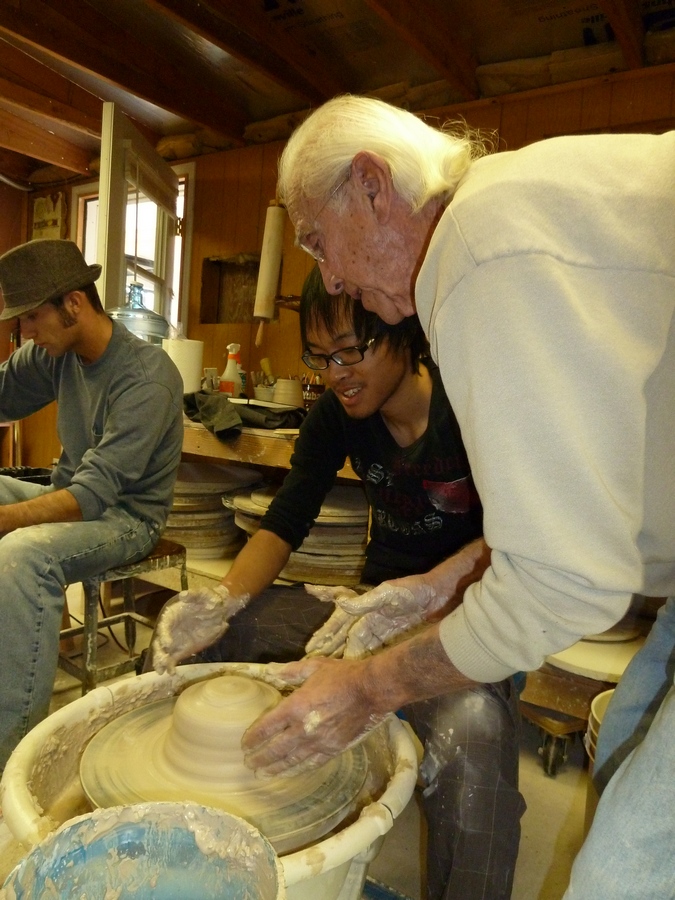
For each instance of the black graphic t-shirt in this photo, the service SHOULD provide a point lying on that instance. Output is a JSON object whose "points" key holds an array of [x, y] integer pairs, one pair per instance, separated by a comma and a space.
{"points": [[423, 504]]}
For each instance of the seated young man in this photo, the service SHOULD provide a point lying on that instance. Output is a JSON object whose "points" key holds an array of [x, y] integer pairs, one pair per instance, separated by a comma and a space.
{"points": [[387, 411], [120, 424]]}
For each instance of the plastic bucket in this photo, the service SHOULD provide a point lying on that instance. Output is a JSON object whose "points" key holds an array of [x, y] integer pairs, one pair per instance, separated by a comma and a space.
{"points": [[41, 788], [599, 706], [151, 851]]}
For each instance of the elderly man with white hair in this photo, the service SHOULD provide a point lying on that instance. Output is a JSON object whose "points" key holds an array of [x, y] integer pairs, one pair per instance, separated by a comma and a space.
{"points": [[545, 280]]}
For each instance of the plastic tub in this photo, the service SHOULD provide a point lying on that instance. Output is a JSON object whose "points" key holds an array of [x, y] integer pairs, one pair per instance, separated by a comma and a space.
{"points": [[41, 789], [151, 851], [599, 706]]}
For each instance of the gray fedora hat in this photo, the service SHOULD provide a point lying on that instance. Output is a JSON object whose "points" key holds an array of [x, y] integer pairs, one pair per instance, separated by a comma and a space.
{"points": [[42, 270]]}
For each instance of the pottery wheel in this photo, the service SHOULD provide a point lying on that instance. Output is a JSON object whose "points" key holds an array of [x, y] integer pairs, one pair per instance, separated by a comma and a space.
{"points": [[188, 748]]}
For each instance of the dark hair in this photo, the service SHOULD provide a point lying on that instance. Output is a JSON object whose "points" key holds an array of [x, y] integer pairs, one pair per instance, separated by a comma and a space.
{"points": [[318, 307], [92, 294]]}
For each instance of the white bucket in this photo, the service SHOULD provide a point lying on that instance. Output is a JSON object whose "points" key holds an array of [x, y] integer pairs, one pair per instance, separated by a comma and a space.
{"points": [[599, 706], [41, 788]]}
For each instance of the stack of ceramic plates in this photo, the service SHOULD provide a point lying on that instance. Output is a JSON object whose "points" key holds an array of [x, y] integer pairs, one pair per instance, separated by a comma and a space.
{"points": [[334, 550], [198, 519]]}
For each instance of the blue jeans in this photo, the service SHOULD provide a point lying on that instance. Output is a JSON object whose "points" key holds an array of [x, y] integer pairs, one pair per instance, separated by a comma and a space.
{"points": [[36, 563], [628, 853]]}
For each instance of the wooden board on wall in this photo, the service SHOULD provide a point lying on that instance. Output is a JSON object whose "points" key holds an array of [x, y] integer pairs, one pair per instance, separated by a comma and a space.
{"points": [[39, 442], [641, 99]]}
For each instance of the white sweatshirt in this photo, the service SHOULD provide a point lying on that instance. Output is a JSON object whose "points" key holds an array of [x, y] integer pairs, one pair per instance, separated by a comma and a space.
{"points": [[548, 293]]}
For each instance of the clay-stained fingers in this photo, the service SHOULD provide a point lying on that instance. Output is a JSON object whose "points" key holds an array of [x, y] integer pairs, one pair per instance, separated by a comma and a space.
{"points": [[330, 593], [375, 630], [319, 720], [330, 639], [189, 622], [387, 598]]}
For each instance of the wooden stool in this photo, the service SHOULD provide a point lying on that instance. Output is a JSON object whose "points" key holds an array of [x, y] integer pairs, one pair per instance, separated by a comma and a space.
{"points": [[559, 704], [166, 555], [557, 730]]}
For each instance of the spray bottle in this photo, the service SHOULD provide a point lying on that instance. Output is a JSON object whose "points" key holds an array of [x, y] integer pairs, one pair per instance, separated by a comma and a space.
{"points": [[230, 380]]}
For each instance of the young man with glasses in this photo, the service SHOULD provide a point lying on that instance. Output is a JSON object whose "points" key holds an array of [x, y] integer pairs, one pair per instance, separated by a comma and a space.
{"points": [[387, 411]]}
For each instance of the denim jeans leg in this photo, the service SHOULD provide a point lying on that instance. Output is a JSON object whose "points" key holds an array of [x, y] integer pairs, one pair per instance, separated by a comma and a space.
{"points": [[36, 563], [628, 853], [637, 697]]}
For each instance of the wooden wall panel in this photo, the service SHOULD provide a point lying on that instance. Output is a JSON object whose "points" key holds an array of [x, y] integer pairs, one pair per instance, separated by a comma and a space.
{"points": [[595, 107], [13, 204], [643, 97], [553, 115], [39, 442], [233, 191]]}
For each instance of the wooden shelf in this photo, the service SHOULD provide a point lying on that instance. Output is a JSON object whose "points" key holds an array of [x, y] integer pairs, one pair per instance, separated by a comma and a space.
{"points": [[254, 446]]}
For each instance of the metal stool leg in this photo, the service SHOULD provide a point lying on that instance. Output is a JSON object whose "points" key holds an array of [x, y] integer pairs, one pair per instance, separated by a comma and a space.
{"points": [[91, 600], [129, 621], [167, 554]]}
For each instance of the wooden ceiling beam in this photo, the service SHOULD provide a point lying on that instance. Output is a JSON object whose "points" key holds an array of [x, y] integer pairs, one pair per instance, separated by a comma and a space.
{"points": [[20, 136], [626, 21], [76, 33], [434, 36], [20, 98], [317, 72], [233, 28]]}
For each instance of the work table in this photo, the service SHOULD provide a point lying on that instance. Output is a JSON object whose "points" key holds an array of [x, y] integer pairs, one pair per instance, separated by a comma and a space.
{"points": [[253, 447]]}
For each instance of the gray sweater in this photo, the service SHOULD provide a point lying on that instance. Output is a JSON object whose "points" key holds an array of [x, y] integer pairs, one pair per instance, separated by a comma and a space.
{"points": [[120, 421]]}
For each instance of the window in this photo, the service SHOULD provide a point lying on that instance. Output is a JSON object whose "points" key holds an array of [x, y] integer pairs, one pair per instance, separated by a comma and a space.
{"points": [[129, 221]]}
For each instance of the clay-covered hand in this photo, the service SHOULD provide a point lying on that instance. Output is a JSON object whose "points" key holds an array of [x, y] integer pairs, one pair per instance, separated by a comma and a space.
{"points": [[189, 622], [328, 713], [385, 612], [330, 639]]}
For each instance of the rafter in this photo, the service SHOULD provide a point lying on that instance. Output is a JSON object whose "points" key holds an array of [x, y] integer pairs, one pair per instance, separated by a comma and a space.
{"points": [[433, 35], [626, 21], [20, 98], [20, 136], [245, 35], [77, 33]]}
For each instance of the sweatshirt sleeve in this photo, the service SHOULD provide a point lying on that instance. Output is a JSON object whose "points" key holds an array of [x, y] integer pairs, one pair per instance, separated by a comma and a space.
{"points": [[129, 459], [318, 456], [552, 411], [26, 383]]}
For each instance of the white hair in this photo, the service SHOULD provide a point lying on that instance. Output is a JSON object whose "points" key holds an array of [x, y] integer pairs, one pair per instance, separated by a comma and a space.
{"points": [[424, 162]]}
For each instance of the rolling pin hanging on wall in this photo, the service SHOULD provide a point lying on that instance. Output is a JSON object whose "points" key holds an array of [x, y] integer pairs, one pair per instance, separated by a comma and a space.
{"points": [[270, 267]]}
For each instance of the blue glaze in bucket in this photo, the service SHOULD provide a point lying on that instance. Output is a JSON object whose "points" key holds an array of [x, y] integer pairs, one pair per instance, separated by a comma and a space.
{"points": [[151, 851]]}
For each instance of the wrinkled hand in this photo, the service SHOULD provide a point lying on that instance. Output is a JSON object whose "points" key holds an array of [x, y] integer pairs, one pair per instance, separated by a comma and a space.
{"points": [[189, 622], [385, 612], [327, 714], [330, 639]]}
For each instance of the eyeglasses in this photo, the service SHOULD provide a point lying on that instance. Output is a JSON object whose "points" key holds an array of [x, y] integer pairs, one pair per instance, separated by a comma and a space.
{"points": [[317, 251], [348, 356]]}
